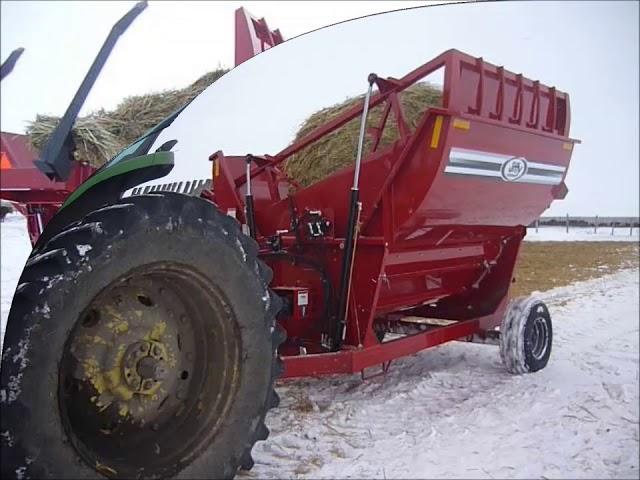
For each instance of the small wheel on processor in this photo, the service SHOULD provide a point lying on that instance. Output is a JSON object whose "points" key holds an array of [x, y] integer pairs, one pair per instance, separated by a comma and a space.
{"points": [[141, 343], [526, 336]]}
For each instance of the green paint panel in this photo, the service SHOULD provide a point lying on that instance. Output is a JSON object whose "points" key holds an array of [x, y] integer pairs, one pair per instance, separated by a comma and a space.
{"points": [[120, 168]]}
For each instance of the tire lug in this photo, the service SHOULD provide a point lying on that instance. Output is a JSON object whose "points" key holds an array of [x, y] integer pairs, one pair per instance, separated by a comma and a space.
{"points": [[246, 462], [262, 433], [274, 399]]}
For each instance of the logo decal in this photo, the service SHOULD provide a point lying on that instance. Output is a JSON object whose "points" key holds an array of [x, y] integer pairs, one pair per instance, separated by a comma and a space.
{"points": [[513, 169]]}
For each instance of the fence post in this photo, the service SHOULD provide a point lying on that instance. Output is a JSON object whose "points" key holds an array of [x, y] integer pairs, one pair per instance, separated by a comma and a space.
{"points": [[537, 221], [613, 225], [631, 229], [595, 227], [567, 222]]}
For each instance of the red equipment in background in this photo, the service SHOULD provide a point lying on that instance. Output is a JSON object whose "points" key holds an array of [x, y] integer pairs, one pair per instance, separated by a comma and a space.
{"points": [[33, 194], [442, 216], [39, 198], [253, 36]]}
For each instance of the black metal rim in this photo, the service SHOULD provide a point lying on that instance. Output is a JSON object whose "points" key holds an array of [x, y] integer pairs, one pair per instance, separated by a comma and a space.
{"points": [[539, 340], [149, 371]]}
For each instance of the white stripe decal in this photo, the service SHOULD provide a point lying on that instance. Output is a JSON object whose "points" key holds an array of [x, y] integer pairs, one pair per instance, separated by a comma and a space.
{"points": [[472, 171], [456, 155], [538, 179], [507, 168], [546, 166]]}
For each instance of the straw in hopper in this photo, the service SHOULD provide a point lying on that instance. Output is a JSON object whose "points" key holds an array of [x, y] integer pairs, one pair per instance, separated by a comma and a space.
{"points": [[338, 150]]}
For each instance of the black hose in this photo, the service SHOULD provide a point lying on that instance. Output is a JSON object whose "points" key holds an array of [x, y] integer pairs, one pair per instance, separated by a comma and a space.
{"points": [[251, 219], [345, 277]]}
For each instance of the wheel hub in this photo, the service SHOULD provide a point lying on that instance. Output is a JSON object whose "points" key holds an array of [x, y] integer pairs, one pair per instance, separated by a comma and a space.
{"points": [[144, 366], [149, 371], [539, 338], [134, 354]]}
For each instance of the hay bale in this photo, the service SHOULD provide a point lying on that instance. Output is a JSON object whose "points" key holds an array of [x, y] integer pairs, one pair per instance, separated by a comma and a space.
{"points": [[92, 136], [338, 150], [101, 134]]}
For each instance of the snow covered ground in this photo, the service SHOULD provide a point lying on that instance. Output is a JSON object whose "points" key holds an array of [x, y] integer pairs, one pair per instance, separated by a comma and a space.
{"points": [[14, 250], [453, 411], [582, 234]]}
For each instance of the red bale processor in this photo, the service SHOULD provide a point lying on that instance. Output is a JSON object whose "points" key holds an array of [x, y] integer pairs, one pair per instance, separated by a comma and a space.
{"points": [[433, 233], [149, 326]]}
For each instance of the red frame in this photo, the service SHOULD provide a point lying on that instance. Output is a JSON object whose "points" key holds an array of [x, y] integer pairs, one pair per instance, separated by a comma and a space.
{"points": [[431, 244]]}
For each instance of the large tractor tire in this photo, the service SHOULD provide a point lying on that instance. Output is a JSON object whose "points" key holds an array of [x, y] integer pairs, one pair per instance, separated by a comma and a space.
{"points": [[141, 343]]}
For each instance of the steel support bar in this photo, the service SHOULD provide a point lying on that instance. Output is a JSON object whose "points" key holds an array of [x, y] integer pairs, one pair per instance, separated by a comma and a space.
{"points": [[56, 158], [354, 361], [7, 66]]}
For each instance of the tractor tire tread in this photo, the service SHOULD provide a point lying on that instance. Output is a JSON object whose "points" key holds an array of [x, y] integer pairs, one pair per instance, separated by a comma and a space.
{"points": [[60, 254]]}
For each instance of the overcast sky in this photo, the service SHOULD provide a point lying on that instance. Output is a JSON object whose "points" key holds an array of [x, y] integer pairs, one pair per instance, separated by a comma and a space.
{"points": [[589, 50], [169, 45]]}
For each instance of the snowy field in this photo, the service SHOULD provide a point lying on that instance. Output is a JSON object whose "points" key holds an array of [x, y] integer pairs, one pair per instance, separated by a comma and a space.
{"points": [[453, 411], [14, 250], [582, 234]]}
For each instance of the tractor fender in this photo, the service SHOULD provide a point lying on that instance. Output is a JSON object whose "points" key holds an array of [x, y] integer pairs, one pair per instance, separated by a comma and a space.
{"points": [[104, 187]]}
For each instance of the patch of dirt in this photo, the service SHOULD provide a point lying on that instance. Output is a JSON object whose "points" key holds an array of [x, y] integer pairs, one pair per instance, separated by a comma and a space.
{"points": [[309, 464], [546, 265], [303, 403]]}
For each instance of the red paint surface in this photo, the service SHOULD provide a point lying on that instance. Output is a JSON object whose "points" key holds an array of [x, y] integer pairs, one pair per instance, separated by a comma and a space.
{"points": [[432, 244]]}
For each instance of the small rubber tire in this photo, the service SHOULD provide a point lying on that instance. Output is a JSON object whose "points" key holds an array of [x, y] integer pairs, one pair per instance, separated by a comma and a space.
{"points": [[4, 210], [526, 336], [63, 277]]}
